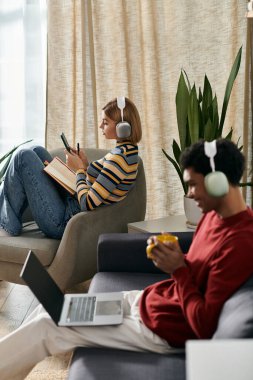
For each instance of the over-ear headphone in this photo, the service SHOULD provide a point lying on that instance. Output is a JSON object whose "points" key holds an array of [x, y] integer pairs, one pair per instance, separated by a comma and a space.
{"points": [[216, 183], [123, 128]]}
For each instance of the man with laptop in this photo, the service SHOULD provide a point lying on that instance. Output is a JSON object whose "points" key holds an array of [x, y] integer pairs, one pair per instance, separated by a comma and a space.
{"points": [[166, 314]]}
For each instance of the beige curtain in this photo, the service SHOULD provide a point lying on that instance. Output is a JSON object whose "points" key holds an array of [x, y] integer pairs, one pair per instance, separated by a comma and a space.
{"points": [[98, 49], [248, 110]]}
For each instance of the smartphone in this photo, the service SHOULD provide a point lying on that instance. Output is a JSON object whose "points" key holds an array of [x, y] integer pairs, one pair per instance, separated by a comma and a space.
{"points": [[65, 142]]}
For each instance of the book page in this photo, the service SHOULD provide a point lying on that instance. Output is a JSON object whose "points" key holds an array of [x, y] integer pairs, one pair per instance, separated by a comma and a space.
{"points": [[60, 172]]}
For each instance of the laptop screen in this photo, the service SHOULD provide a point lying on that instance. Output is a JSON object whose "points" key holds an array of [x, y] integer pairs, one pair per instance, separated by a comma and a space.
{"points": [[43, 286]]}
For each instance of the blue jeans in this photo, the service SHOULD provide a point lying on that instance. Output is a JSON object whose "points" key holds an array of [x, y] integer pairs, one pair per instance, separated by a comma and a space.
{"points": [[26, 184]]}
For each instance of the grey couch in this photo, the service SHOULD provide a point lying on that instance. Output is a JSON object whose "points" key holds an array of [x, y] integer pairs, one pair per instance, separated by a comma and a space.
{"points": [[122, 265], [72, 259]]}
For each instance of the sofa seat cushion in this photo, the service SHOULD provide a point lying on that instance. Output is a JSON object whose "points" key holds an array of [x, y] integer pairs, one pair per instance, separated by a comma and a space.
{"points": [[236, 318], [15, 249], [118, 281], [108, 364]]}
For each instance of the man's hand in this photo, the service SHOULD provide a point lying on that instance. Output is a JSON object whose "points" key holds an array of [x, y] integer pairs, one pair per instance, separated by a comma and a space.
{"points": [[167, 256]]}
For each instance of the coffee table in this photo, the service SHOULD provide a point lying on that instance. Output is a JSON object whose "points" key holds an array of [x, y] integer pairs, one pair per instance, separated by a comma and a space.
{"points": [[172, 223]]}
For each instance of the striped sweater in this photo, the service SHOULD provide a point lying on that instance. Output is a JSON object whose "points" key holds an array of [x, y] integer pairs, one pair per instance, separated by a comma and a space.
{"points": [[109, 179]]}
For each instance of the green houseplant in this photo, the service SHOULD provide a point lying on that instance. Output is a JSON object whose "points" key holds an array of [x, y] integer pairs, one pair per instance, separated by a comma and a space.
{"points": [[198, 114], [5, 160]]}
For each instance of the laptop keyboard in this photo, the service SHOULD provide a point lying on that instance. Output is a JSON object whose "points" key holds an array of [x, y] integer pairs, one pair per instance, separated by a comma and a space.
{"points": [[81, 309]]}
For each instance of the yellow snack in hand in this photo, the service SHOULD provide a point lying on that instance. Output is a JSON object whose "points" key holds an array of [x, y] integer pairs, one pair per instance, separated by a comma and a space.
{"points": [[162, 238]]}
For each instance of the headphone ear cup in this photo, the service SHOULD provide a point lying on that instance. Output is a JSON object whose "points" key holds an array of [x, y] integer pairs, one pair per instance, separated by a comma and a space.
{"points": [[216, 184], [123, 129]]}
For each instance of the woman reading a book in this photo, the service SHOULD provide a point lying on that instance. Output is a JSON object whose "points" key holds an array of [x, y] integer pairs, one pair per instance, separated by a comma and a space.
{"points": [[102, 182]]}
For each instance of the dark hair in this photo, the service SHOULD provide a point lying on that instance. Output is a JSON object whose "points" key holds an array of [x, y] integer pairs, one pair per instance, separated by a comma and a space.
{"points": [[228, 160]]}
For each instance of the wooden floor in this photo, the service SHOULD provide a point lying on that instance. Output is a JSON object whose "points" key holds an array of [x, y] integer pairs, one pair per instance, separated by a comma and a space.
{"points": [[16, 303]]}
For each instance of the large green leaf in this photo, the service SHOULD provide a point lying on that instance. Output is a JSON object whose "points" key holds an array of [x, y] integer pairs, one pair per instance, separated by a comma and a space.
{"points": [[193, 116], [201, 123], [200, 95], [4, 168], [188, 138], [7, 156], [229, 135], [182, 99], [229, 86], [207, 99], [176, 151], [12, 150], [240, 148], [178, 169], [209, 131], [187, 79], [215, 116], [244, 184]]}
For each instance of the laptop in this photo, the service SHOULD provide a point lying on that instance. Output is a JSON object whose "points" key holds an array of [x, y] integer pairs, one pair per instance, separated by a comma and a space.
{"points": [[71, 309]]}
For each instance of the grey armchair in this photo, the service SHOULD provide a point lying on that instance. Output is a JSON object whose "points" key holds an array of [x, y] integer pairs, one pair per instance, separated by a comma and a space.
{"points": [[72, 259]]}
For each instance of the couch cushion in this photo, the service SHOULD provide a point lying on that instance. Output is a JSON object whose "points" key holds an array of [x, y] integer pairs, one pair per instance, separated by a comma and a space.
{"points": [[108, 364], [236, 318], [15, 249], [118, 281]]}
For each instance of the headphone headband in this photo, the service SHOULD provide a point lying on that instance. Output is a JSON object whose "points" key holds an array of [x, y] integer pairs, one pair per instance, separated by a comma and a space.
{"points": [[123, 128], [211, 151], [121, 104]]}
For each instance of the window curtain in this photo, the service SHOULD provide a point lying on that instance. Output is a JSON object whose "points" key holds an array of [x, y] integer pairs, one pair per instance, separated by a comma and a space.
{"points": [[23, 43], [98, 49], [248, 114]]}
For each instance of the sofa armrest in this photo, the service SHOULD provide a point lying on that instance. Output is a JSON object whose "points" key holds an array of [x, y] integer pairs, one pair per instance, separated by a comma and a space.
{"points": [[127, 252], [76, 257]]}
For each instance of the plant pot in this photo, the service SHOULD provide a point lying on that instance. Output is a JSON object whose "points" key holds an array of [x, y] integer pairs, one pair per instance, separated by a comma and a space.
{"points": [[192, 211]]}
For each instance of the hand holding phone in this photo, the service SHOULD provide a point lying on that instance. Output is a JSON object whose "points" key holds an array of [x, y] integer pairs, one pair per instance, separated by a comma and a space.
{"points": [[65, 142]]}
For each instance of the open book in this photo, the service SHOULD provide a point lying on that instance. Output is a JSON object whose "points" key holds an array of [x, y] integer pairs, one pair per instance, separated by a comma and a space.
{"points": [[66, 177]]}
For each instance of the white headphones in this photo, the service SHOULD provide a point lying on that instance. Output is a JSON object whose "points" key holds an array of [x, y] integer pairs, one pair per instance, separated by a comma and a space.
{"points": [[123, 128], [216, 183]]}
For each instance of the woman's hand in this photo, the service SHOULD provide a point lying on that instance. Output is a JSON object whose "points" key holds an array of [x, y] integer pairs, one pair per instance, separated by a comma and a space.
{"points": [[167, 256], [82, 155], [75, 161]]}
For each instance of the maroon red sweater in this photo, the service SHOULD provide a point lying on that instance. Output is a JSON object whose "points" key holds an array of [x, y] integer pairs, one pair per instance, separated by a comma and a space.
{"points": [[220, 259]]}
